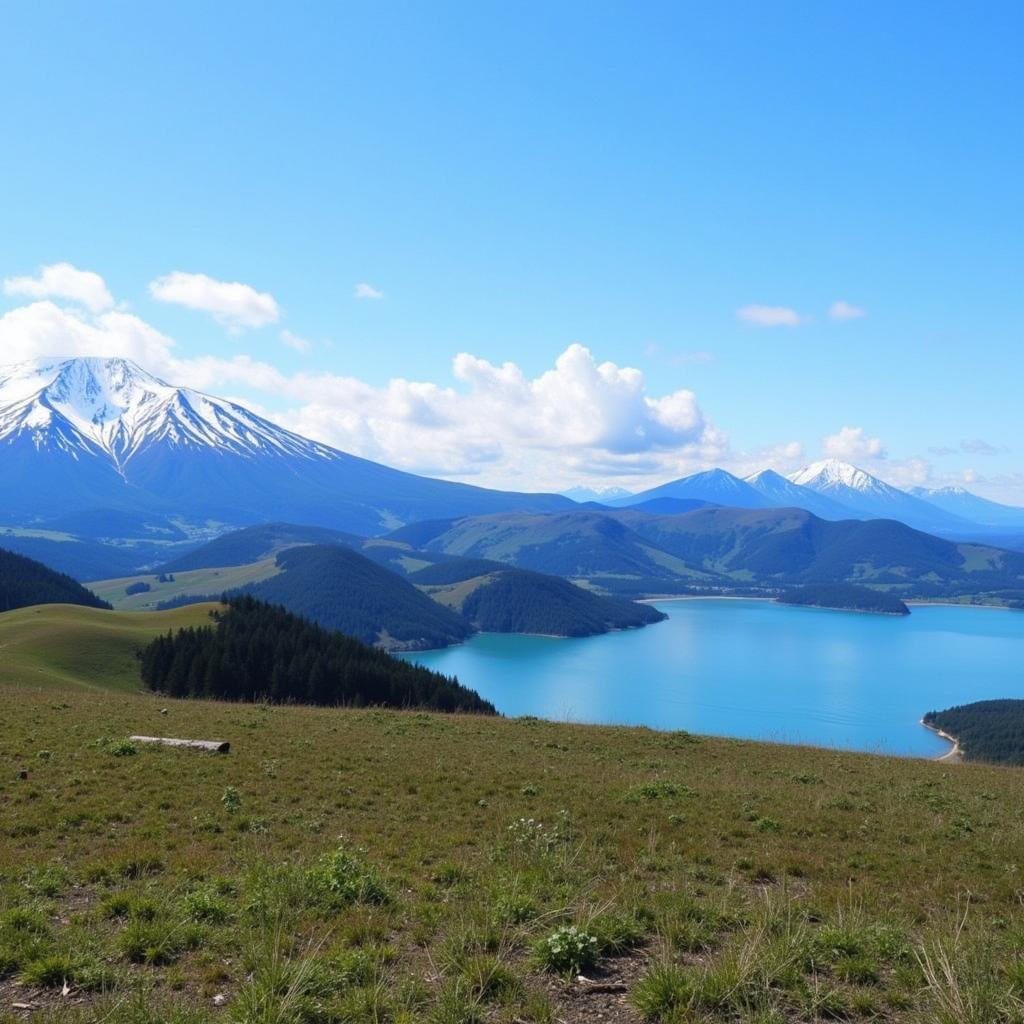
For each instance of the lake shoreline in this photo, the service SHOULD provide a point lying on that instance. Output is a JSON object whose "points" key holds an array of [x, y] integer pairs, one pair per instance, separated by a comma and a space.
{"points": [[955, 755]]}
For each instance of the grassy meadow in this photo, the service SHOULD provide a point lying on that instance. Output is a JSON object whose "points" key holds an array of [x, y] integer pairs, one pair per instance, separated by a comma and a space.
{"points": [[376, 866], [194, 581]]}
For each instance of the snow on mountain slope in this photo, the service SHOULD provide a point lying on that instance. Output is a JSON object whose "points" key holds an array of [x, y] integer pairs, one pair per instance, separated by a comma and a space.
{"points": [[783, 493], [715, 486], [870, 497], [116, 407], [90, 433], [961, 502]]}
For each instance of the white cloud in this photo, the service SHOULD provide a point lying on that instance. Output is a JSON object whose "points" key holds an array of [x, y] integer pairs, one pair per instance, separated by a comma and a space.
{"points": [[46, 329], [851, 444], [518, 431], [295, 341], [840, 310], [231, 303], [63, 281], [770, 316], [367, 291]]}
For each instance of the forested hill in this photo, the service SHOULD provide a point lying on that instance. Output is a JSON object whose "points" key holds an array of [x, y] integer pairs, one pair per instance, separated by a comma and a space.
{"points": [[24, 582], [255, 651], [341, 589], [845, 596], [253, 543], [988, 730], [498, 599]]}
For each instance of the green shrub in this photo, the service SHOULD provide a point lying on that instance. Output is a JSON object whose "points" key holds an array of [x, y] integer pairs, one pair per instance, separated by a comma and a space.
{"points": [[568, 950], [342, 877]]}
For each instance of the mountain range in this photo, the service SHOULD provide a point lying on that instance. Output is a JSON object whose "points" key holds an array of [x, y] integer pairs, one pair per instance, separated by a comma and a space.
{"points": [[109, 470], [633, 553]]}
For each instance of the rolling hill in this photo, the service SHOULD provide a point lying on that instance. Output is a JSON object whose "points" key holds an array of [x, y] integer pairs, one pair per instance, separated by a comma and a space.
{"points": [[720, 548], [60, 645], [256, 543], [341, 589], [498, 599], [25, 582]]}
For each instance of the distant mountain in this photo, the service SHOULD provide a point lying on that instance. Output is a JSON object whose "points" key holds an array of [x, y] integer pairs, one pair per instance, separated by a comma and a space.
{"points": [[782, 493], [578, 545], [960, 502], [715, 486], [868, 497], [84, 434], [669, 506], [631, 552], [499, 599], [24, 582], [600, 495]]}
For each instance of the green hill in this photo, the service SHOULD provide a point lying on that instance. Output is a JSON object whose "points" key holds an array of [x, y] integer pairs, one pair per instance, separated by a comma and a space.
{"points": [[25, 582], [498, 599], [342, 589], [631, 552], [59, 645], [256, 544]]}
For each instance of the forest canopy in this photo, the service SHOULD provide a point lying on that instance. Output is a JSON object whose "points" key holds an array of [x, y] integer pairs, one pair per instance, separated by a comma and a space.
{"points": [[255, 651]]}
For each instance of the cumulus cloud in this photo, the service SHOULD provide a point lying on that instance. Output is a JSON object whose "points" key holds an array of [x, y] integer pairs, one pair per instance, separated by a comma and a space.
{"points": [[851, 444], [495, 423], [367, 291], [231, 303], [840, 310], [770, 316], [580, 416], [63, 281], [295, 341], [46, 329]]}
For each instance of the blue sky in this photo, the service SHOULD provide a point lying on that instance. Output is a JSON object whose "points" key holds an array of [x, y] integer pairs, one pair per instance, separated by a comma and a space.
{"points": [[514, 179]]}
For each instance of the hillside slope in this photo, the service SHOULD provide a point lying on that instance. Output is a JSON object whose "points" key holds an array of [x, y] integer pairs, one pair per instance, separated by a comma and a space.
{"points": [[813, 884], [60, 646], [25, 582], [341, 589], [633, 552], [497, 599]]}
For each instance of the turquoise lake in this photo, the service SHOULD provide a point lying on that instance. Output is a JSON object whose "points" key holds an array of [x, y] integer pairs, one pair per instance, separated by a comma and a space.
{"points": [[758, 670]]}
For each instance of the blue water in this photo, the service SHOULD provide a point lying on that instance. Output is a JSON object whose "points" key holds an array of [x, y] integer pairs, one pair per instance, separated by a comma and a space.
{"points": [[755, 669]]}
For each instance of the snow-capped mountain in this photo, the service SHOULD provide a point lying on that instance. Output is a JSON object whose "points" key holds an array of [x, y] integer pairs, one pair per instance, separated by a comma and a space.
{"points": [[960, 502], [715, 486], [871, 498], [783, 493], [112, 408], [90, 433]]}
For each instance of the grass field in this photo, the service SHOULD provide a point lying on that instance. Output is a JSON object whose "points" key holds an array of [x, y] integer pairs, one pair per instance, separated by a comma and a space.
{"points": [[57, 646], [372, 866], [196, 581]]}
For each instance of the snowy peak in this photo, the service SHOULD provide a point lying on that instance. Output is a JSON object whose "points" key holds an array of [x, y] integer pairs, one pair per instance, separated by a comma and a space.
{"points": [[114, 408], [830, 474]]}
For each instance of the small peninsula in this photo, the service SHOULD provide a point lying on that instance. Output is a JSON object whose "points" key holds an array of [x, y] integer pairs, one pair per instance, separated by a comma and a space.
{"points": [[845, 597], [987, 730]]}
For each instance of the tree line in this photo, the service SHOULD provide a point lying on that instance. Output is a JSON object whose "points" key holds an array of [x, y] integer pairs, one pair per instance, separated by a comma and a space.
{"points": [[255, 651]]}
